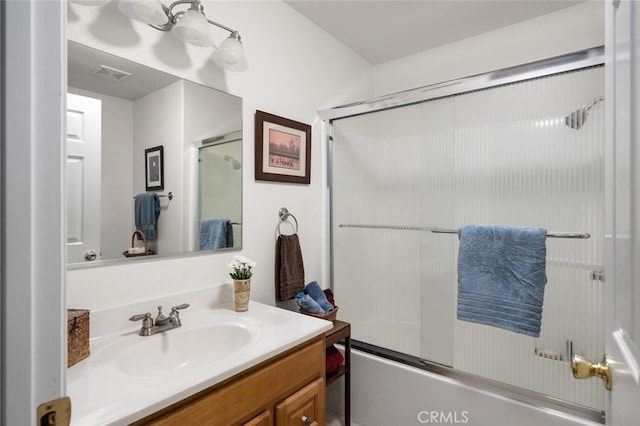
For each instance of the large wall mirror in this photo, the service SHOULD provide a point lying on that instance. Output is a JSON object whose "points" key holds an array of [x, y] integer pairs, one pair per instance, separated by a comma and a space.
{"points": [[129, 126]]}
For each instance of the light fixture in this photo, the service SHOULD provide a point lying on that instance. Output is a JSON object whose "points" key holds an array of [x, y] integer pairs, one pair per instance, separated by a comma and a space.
{"points": [[230, 54], [190, 26], [148, 11]]}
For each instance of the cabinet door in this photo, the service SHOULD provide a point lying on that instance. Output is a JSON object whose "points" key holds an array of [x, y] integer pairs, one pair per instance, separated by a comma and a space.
{"points": [[263, 419], [305, 407]]}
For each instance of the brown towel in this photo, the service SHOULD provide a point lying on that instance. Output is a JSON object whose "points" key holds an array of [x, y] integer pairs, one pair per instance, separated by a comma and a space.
{"points": [[289, 267]]}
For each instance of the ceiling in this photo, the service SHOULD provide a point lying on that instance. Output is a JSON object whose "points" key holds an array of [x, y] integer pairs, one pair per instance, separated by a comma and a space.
{"points": [[84, 63], [381, 31]]}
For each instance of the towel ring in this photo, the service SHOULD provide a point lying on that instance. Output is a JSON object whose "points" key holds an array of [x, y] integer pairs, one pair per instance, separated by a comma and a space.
{"points": [[284, 215]]}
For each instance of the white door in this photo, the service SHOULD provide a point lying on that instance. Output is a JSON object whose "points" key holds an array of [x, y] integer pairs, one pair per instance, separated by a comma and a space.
{"points": [[623, 208], [84, 118]]}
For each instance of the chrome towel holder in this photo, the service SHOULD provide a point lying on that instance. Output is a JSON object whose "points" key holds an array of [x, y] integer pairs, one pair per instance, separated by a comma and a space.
{"points": [[582, 236], [284, 216], [169, 196]]}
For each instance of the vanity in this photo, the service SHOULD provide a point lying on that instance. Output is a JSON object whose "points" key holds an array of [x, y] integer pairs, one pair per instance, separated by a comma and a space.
{"points": [[221, 367]]}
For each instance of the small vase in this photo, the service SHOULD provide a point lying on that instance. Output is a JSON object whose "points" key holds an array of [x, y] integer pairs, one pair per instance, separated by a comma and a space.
{"points": [[241, 290]]}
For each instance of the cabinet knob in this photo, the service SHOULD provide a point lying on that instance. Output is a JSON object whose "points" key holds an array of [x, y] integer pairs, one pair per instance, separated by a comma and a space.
{"points": [[308, 421]]}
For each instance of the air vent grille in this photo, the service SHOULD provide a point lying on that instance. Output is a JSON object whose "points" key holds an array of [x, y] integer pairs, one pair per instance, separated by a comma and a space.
{"points": [[111, 73]]}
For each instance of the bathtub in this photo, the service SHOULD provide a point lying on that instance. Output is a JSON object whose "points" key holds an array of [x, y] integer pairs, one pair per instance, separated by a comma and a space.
{"points": [[389, 393]]}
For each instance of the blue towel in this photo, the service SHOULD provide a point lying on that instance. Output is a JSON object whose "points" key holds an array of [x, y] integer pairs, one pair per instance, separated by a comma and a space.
{"points": [[313, 289], [501, 277], [147, 210], [215, 234], [308, 304]]}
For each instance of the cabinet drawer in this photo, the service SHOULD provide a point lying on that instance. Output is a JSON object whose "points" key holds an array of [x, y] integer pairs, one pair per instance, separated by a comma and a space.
{"points": [[262, 419]]}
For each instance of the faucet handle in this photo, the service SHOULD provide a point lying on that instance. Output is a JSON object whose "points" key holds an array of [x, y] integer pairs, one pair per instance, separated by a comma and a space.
{"points": [[176, 315], [140, 317], [183, 306]]}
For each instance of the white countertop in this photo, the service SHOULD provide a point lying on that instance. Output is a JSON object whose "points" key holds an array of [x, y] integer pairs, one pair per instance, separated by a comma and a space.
{"points": [[103, 393]]}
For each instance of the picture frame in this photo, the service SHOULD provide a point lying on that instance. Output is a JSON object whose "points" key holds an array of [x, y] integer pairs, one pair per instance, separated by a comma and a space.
{"points": [[154, 168], [282, 149]]}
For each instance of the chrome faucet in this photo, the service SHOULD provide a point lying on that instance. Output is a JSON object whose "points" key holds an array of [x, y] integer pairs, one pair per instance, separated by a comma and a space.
{"points": [[161, 322]]}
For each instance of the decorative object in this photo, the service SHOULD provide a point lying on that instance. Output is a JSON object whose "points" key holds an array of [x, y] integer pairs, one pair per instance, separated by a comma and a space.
{"points": [[241, 293], [190, 26], [241, 272], [77, 335], [283, 149], [143, 250], [154, 168]]}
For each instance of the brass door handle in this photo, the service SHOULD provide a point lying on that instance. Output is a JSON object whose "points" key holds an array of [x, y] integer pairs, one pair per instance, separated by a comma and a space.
{"points": [[583, 369]]}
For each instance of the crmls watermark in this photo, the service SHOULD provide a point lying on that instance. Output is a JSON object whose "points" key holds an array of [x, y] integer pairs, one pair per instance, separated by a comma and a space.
{"points": [[443, 417]]}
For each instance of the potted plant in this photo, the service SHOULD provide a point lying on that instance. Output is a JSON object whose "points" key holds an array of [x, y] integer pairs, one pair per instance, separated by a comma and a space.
{"points": [[241, 272]]}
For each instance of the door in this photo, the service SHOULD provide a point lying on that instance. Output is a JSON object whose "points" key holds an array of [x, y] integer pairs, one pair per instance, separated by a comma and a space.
{"points": [[84, 118], [623, 210], [305, 407]]}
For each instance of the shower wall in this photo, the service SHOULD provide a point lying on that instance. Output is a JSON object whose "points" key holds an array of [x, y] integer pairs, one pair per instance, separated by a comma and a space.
{"points": [[496, 156]]}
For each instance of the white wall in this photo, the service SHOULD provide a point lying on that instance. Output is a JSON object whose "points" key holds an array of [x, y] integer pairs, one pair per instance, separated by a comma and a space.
{"points": [[568, 30], [295, 69]]}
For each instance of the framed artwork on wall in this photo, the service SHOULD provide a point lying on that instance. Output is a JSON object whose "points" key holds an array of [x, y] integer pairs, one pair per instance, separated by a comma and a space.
{"points": [[154, 168], [283, 149]]}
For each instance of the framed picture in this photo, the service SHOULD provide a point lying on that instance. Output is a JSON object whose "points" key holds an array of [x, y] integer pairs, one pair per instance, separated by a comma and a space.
{"points": [[283, 149], [154, 168]]}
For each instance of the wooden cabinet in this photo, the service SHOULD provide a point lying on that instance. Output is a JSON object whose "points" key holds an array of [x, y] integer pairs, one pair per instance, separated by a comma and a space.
{"points": [[279, 391]]}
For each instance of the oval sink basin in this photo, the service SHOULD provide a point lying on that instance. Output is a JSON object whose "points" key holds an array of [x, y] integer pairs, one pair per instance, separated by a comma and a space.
{"points": [[175, 350]]}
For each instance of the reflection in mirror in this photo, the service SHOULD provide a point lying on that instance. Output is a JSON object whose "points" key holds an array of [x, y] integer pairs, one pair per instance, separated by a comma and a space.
{"points": [[219, 191], [121, 108]]}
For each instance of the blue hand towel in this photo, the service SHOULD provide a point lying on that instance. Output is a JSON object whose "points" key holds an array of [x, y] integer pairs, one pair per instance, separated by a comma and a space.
{"points": [[215, 234], [147, 210], [501, 277], [313, 289], [308, 304]]}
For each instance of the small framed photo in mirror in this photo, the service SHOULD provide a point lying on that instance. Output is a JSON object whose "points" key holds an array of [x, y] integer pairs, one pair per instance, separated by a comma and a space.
{"points": [[283, 149], [154, 168]]}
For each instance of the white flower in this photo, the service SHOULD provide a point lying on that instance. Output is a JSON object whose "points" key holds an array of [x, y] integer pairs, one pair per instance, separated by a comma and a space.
{"points": [[241, 267]]}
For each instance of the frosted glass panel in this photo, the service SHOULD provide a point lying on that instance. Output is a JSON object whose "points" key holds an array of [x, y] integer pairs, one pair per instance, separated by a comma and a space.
{"points": [[497, 156]]}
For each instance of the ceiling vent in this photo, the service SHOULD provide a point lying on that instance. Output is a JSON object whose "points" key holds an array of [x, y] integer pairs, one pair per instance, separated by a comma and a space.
{"points": [[111, 73]]}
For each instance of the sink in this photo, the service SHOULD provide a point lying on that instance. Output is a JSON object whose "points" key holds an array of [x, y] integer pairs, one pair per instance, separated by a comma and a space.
{"points": [[179, 349]]}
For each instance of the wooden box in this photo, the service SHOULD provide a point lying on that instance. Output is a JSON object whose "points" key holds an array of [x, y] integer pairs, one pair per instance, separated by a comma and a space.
{"points": [[77, 335]]}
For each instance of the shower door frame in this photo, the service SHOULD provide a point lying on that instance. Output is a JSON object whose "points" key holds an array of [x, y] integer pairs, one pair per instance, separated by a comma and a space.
{"points": [[565, 63]]}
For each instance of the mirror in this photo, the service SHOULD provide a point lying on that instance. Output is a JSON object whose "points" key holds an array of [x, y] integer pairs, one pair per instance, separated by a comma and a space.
{"points": [[125, 109]]}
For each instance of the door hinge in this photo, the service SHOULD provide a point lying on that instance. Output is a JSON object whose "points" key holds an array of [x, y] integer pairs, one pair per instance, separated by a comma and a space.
{"points": [[56, 412]]}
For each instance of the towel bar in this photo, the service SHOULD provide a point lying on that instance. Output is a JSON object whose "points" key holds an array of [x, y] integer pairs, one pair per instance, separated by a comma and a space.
{"points": [[549, 234], [169, 196], [454, 231]]}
